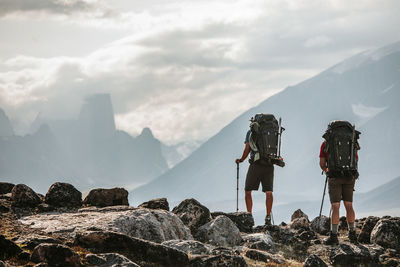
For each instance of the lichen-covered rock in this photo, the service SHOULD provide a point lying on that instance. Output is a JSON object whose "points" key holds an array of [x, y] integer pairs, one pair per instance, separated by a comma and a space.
{"points": [[192, 214], [189, 246], [142, 252], [6, 188], [64, 195], [260, 241], [321, 225], [55, 255], [264, 256], [109, 259], [8, 248], [387, 233], [107, 197], [158, 203], [243, 220], [154, 225], [368, 225], [347, 254], [219, 232], [300, 223], [298, 214], [314, 261], [32, 240], [23, 196]]}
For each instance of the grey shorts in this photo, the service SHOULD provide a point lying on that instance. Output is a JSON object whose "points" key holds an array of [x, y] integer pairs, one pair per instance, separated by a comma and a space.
{"points": [[257, 174], [341, 189]]}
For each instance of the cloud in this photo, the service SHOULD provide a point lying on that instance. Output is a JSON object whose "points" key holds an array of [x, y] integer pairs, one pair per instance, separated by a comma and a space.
{"points": [[186, 69]]}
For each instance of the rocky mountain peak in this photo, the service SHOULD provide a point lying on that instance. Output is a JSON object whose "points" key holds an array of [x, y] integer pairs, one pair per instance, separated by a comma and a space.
{"points": [[5, 125]]}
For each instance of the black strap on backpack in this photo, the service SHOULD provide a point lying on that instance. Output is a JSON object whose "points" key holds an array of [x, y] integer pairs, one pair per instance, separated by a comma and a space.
{"points": [[342, 146]]}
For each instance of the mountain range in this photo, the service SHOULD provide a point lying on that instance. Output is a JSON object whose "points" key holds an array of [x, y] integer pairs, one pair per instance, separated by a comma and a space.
{"points": [[364, 89]]}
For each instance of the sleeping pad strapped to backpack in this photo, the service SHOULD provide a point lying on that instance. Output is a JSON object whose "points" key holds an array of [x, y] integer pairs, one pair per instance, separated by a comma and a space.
{"points": [[265, 139], [342, 146]]}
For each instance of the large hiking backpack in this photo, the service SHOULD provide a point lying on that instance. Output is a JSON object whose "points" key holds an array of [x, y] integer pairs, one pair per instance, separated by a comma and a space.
{"points": [[265, 139], [342, 146]]}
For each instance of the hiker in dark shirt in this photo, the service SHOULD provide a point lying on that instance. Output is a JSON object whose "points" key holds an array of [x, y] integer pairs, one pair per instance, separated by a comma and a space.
{"points": [[258, 172], [340, 188]]}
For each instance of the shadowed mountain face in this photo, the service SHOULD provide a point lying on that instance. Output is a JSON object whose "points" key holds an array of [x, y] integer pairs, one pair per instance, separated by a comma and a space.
{"points": [[88, 152], [364, 90], [5, 125]]}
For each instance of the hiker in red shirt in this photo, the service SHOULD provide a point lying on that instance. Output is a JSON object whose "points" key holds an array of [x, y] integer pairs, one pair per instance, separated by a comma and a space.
{"points": [[341, 180]]}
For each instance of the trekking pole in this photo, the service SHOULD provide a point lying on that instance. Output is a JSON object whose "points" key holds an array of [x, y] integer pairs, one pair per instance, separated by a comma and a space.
{"points": [[323, 196], [237, 187]]}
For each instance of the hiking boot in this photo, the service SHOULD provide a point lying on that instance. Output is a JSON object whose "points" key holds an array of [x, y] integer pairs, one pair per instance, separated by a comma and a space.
{"points": [[268, 220], [332, 239], [353, 237]]}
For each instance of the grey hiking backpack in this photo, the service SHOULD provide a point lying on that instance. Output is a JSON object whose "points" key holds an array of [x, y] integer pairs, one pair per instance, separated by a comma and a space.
{"points": [[342, 146], [265, 139]]}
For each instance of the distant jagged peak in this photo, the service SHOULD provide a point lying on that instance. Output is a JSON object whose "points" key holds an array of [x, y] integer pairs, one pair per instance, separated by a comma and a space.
{"points": [[5, 124], [146, 133]]}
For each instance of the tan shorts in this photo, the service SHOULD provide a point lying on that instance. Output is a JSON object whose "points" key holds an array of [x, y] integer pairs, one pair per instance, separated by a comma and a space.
{"points": [[257, 174], [341, 189]]}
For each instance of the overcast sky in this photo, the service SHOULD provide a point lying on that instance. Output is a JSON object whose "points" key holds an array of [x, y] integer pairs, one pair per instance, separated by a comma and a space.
{"points": [[183, 68]]}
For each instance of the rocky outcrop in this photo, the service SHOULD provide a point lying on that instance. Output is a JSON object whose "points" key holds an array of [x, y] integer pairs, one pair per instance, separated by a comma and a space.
{"points": [[55, 255], [368, 225], [153, 225], [219, 232], [314, 261], [33, 240], [189, 246], [260, 241], [8, 248], [158, 203], [5, 188], [142, 252], [300, 223], [321, 225], [192, 214], [243, 220], [107, 197], [347, 254], [298, 214], [23, 196], [387, 233], [109, 259], [64, 195]]}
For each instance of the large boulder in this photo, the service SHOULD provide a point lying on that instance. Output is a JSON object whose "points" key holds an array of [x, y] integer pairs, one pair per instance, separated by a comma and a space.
{"points": [[321, 225], [347, 254], [243, 220], [192, 214], [154, 225], [23, 196], [189, 246], [219, 232], [368, 225], [142, 252], [6, 188], [387, 233], [300, 223], [298, 214], [109, 259], [314, 261], [64, 195], [55, 255], [8, 248], [260, 241], [155, 204], [107, 197]]}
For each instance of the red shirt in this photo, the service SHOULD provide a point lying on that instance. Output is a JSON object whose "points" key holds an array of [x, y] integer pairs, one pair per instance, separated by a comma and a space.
{"points": [[323, 154]]}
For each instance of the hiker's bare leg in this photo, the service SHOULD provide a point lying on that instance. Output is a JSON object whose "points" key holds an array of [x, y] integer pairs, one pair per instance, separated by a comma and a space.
{"points": [[335, 213], [249, 200], [350, 214], [269, 199]]}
